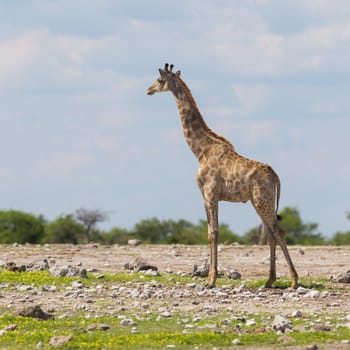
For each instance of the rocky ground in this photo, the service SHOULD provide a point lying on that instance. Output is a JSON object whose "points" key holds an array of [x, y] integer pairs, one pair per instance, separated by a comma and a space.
{"points": [[251, 262]]}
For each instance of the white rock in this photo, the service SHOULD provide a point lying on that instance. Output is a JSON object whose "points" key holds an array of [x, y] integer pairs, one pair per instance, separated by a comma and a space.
{"points": [[189, 326], [312, 294], [297, 314], [250, 322], [127, 322], [77, 284], [281, 323], [134, 242]]}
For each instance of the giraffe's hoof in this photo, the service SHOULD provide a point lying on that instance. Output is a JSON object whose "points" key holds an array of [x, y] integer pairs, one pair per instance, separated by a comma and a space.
{"points": [[294, 284], [210, 285], [269, 283]]}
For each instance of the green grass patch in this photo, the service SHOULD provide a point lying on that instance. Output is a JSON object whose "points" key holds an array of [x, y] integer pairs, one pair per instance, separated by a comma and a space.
{"points": [[33, 278], [152, 334]]}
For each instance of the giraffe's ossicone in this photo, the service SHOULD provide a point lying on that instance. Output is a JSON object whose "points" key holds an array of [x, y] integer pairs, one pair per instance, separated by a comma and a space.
{"points": [[224, 175]]}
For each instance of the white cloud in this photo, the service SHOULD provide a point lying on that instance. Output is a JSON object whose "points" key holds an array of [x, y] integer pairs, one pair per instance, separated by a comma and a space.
{"points": [[107, 143], [250, 97], [240, 39], [56, 165], [252, 132], [18, 53]]}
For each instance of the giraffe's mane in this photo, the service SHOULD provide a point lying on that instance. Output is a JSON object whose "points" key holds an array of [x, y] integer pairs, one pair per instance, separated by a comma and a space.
{"points": [[201, 120]]}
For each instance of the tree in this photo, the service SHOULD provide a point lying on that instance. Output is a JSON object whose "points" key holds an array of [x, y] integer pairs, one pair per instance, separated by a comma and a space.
{"points": [[89, 219], [297, 231], [65, 229], [254, 236], [115, 236], [181, 231], [341, 238], [154, 231], [20, 227]]}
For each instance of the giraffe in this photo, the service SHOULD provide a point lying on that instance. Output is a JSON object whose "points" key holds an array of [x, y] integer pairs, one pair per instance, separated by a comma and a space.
{"points": [[225, 175]]}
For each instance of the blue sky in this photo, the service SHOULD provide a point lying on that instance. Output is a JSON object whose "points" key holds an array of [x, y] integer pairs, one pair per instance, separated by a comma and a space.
{"points": [[78, 129]]}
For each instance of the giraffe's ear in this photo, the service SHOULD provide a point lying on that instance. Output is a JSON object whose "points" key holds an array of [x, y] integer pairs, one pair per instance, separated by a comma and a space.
{"points": [[162, 72], [178, 73]]}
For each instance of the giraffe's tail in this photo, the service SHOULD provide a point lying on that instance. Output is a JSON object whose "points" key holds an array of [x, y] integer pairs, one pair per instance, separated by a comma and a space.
{"points": [[278, 194]]}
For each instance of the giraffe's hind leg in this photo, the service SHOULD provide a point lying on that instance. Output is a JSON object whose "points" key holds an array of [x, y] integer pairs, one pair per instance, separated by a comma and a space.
{"points": [[281, 235], [275, 235], [272, 244]]}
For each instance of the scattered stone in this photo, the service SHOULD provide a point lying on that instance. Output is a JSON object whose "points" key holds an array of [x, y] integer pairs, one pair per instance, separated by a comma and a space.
{"points": [[250, 322], [38, 265], [34, 312], [297, 314], [285, 339], [281, 323], [98, 327], [232, 274], [322, 328], [47, 288], [127, 322], [23, 288], [300, 251], [312, 347], [312, 294], [210, 308], [236, 341], [11, 327], [69, 271], [11, 266], [301, 290], [201, 270], [324, 294], [77, 284], [341, 277], [60, 340], [134, 242], [166, 314], [152, 273], [139, 264], [39, 345]]}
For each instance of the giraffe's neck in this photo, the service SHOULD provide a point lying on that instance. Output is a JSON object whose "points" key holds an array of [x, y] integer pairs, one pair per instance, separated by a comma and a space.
{"points": [[197, 134]]}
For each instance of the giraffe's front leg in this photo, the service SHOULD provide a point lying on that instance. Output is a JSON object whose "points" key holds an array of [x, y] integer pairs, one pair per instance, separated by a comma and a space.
{"points": [[213, 232]]}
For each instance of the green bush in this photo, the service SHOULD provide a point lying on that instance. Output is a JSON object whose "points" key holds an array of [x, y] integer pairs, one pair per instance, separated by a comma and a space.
{"points": [[64, 229], [20, 227]]}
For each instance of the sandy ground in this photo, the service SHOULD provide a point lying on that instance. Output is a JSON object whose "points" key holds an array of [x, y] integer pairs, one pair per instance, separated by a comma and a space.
{"points": [[250, 261]]}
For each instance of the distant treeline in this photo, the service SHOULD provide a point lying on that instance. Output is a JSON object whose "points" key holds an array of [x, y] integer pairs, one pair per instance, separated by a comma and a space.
{"points": [[82, 227]]}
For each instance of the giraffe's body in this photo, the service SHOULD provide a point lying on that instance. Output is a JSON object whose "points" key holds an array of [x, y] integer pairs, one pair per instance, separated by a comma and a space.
{"points": [[224, 175]]}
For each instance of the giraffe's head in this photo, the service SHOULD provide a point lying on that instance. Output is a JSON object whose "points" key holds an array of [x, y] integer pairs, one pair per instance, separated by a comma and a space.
{"points": [[166, 82]]}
